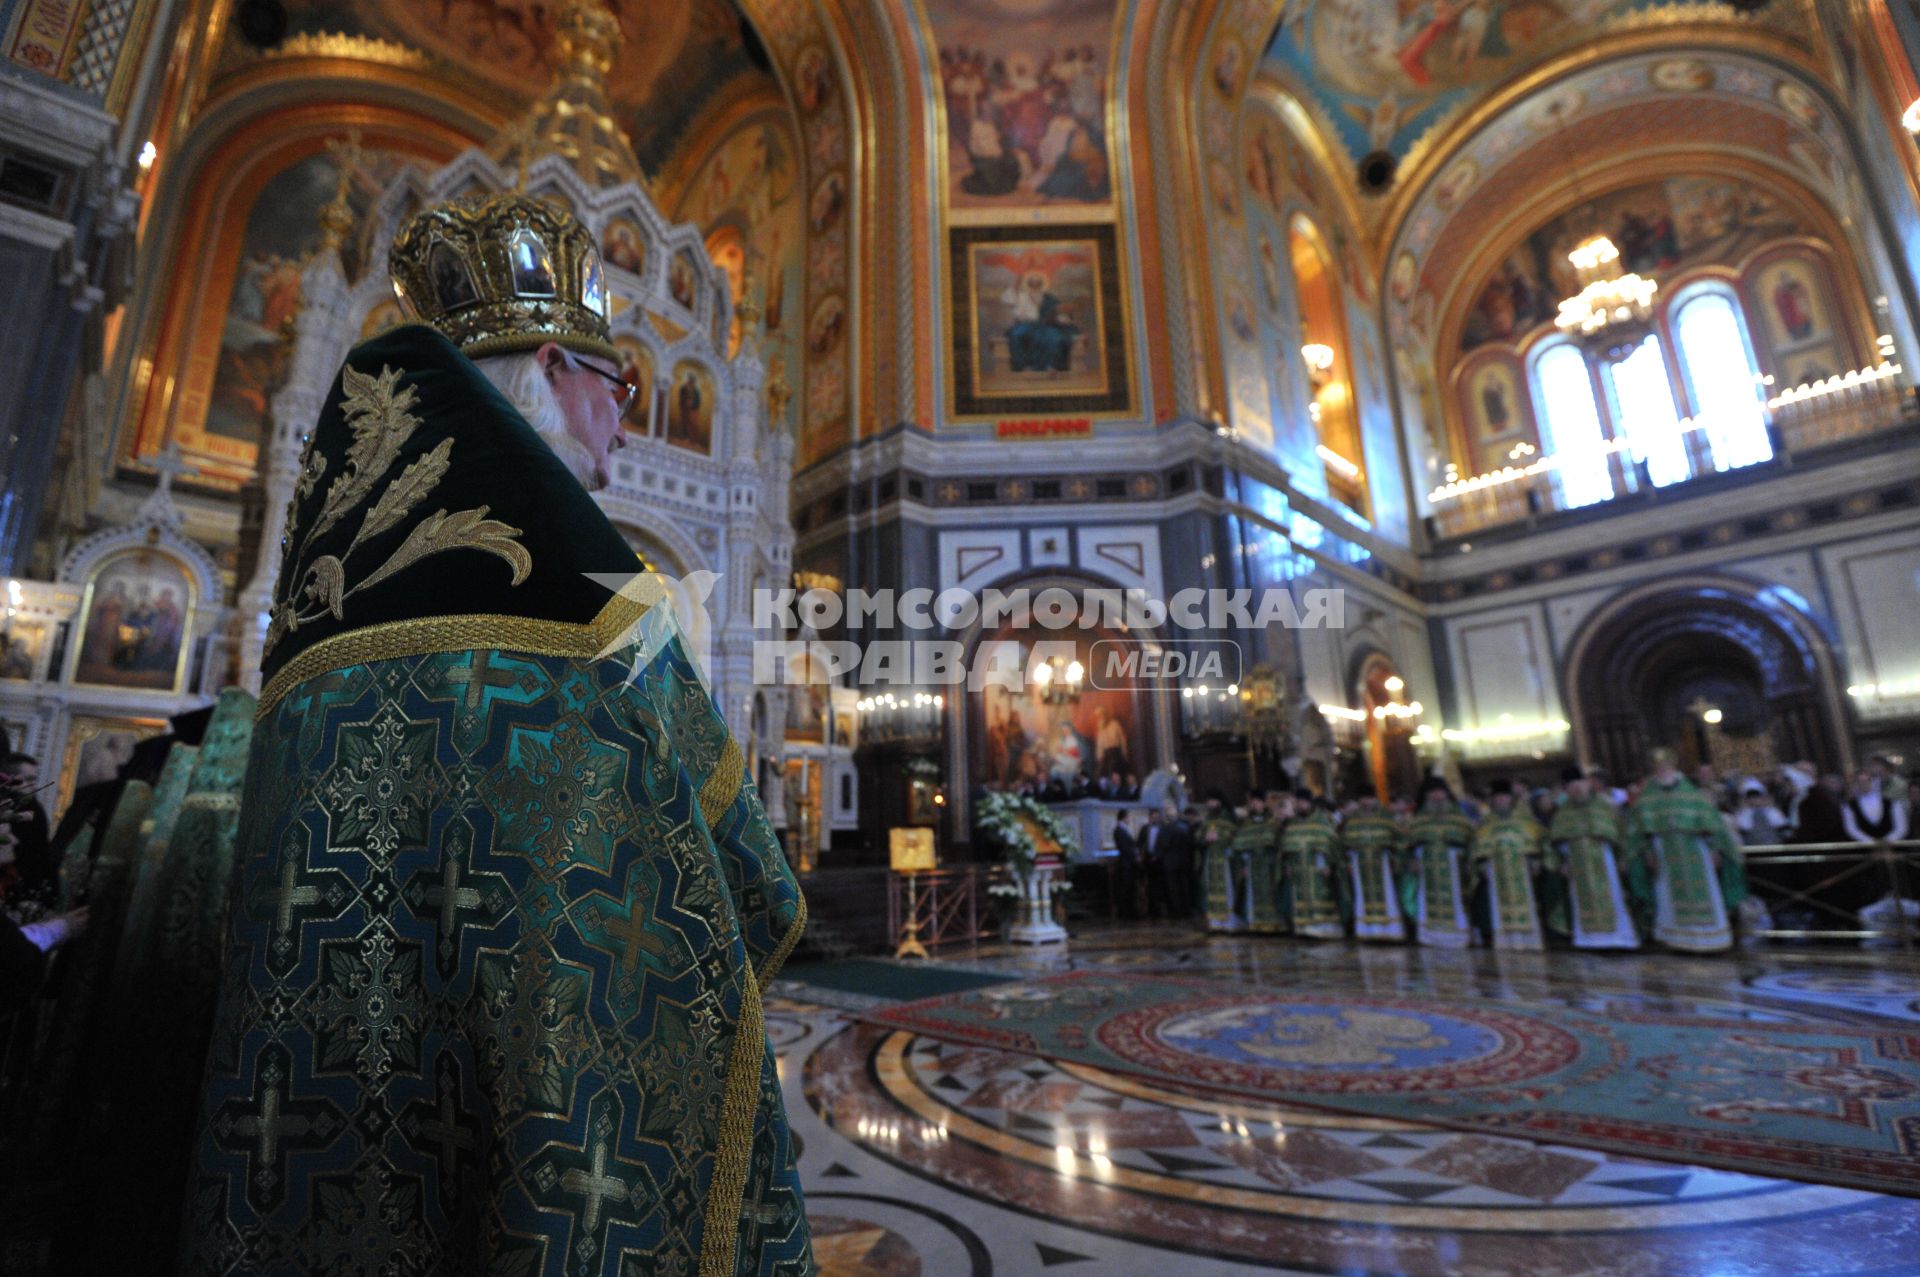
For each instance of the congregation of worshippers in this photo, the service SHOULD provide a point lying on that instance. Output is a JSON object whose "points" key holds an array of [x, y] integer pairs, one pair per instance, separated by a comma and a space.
{"points": [[1593, 862]]}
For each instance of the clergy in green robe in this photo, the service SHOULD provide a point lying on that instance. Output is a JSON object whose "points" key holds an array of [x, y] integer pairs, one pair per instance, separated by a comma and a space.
{"points": [[1219, 868], [1310, 849], [1584, 844], [507, 896], [1437, 842], [1698, 876], [1370, 839], [1506, 848], [1256, 848]]}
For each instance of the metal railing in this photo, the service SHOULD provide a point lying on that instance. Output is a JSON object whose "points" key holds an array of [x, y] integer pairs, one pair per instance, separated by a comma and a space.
{"points": [[1845, 878]]}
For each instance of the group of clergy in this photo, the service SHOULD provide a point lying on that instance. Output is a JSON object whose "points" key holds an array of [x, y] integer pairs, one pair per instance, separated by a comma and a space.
{"points": [[1601, 875]]}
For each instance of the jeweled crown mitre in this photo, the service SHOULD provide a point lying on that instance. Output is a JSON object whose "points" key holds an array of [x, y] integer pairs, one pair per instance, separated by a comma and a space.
{"points": [[503, 272]]}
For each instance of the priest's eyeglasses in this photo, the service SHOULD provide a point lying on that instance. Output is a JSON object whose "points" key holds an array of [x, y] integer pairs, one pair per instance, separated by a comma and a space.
{"points": [[624, 391]]}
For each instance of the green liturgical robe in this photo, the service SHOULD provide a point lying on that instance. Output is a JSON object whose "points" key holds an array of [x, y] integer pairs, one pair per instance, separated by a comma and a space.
{"points": [[1585, 842], [1310, 846], [1220, 873], [1504, 848], [1438, 840], [1678, 833], [507, 897], [1371, 838], [1256, 844]]}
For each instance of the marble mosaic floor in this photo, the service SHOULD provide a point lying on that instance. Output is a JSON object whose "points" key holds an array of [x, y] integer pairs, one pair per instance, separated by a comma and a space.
{"points": [[921, 1157]]}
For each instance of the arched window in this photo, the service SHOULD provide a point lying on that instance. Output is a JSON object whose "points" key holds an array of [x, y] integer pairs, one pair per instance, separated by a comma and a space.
{"points": [[1644, 412], [1721, 379], [1570, 424]]}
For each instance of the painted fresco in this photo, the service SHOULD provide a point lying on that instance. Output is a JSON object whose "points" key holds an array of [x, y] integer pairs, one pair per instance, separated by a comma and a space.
{"points": [[676, 59], [1025, 85], [746, 199], [282, 234], [1382, 73], [1658, 227], [1027, 741]]}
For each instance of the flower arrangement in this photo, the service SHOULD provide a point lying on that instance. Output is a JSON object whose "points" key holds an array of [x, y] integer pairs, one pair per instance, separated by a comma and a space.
{"points": [[1022, 830]]}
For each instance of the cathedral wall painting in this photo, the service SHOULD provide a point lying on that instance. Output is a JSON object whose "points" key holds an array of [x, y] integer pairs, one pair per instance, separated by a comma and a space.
{"points": [[282, 232], [1795, 318], [1037, 321], [1659, 228], [137, 621], [1024, 83]]}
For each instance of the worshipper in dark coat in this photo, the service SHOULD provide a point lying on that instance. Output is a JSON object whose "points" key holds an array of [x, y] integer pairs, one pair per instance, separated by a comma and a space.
{"points": [[1127, 871]]}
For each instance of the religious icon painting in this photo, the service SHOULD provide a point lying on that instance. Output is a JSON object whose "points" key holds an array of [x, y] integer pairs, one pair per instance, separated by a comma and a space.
{"points": [[1805, 367], [532, 266], [21, 645], [683, 272], [827, 324], [813, 76], [623, 246], [637, 368], [1791, 297], [452, 285], [135, 623], [1038, 322], [97, 748], [690, 408], [593, 284], [828, 202]]}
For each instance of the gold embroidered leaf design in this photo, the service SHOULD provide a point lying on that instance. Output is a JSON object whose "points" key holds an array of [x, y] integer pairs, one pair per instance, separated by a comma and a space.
{"points": [[414, 483], [377, 411], [327, 583], [467, 530]]}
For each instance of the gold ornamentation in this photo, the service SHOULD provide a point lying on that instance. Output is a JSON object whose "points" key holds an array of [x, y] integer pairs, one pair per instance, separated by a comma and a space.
{"points": [[720, 1235], [394, 639], [723, 785], [378, 411], [358, 48], [504, 272], [574, 119]]}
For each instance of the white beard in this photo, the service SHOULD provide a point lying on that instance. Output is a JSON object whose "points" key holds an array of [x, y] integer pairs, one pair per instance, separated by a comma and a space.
{"points": [[523, 382]]}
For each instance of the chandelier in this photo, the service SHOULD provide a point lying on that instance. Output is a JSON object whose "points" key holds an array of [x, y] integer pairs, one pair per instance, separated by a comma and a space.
{"points": [[1059, 680], [1611, 314]]}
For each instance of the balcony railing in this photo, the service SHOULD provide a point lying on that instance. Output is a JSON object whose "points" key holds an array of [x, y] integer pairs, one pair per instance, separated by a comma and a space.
{"points": [[1800, 422]]}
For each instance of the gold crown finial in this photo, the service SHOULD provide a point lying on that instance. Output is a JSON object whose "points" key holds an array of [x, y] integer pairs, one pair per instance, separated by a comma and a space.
{"points": [[336, 216], [501, 273], [574, 119]]}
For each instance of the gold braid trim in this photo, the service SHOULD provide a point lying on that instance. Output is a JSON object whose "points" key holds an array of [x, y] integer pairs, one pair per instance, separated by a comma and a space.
{"points": [[210, 801], [778, 958], [393, 640], [723, 783], [720, 1231]]}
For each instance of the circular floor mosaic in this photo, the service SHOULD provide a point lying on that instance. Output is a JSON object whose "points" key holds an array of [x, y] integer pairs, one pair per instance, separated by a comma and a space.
{"points": [[1345, 1045]]}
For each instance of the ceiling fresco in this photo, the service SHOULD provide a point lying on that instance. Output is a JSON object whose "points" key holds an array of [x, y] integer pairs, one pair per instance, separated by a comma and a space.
{"points": [[1723, 105], [678, 58], [1383, 75]]}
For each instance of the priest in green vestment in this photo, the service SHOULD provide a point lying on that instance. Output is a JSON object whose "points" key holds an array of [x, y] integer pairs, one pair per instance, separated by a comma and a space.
{"points": [[507, 896], [1218, 868], [1256, 848], [1584, 842], [1699, 879], [1309, 848], [1506, 847], [1437, 842], [1370, 838]]}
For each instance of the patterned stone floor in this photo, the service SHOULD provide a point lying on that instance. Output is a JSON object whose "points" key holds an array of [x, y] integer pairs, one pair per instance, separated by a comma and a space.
{"points": [[925, 1158]]}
